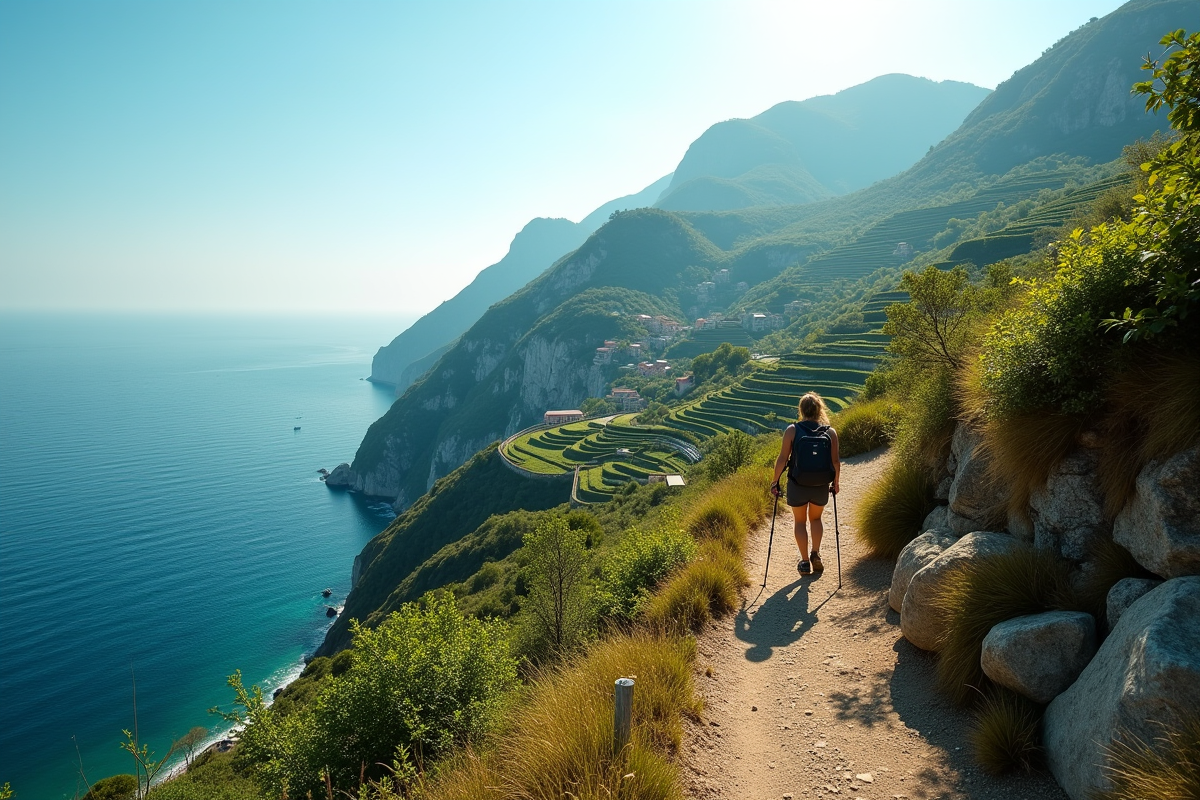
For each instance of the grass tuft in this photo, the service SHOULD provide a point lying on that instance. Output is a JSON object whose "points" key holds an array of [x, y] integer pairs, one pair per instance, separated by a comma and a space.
{"points": [[558, 741], [984, 592], [1108, 562], [1004, 735], [892, 510], [867, 425], [706, 587], [718, 521], [1023, 451], [1168, 769]]}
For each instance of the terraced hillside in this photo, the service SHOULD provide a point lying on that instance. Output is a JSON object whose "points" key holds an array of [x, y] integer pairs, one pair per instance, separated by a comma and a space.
{"points": [[708, 340]]}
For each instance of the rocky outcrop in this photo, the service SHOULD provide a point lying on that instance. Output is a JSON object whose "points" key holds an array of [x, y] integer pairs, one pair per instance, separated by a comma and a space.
{"points": [[916, 555], [976, 502], [1160, 527], [920, 621], [1039, 655], [1145, 676], [1067, 514], [937, 520], [1123, 594], [342, 477]]}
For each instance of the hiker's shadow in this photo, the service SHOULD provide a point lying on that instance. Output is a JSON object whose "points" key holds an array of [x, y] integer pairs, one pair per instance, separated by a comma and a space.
{"points": [[780, 621]]}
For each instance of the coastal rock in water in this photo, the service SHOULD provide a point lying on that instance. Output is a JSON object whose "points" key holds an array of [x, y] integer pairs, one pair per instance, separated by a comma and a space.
{"points": [[1160, 527], [1125, 593], [920, 622], [916, 555], [1039, 655], [330, 611], [1068, 512], [1145, 676], [342, 477], [974, 497]]}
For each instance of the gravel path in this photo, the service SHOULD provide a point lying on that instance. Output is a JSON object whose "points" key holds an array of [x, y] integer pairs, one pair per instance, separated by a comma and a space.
{"points": [[814, 693]]}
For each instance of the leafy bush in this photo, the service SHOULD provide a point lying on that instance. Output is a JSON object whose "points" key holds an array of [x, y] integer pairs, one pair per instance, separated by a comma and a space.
{"points": [[425, 679], [115, 787], [638, 564], [214, 776], [559, 602], [727, 454], [983, 592], [1167, 769], [1004, 734], [558, 743], [723, 363], [893, 509], [927, 422], [865, 426]]}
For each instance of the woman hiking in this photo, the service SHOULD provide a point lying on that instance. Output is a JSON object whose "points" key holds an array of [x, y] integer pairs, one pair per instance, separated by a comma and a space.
{"points": [[810, 455]]}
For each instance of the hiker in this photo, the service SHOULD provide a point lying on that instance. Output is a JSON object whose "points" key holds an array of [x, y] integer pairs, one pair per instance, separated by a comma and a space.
{"points": [[810, 455]]}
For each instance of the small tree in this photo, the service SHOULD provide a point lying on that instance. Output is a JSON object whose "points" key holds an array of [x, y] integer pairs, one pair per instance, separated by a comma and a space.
{"points": [[557, 579], [932, 328], [188, 743], [730, 452]]}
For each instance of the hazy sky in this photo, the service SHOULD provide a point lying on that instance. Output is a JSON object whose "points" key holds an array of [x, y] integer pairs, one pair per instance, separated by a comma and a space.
{"points": [[376, 155]]}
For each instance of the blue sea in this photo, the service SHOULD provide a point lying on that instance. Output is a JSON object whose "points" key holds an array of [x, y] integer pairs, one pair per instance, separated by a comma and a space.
{"points": [[161, 516]]}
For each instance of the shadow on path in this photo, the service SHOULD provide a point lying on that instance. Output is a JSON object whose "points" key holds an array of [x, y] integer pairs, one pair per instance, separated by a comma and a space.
{"points": [[780, 621]]}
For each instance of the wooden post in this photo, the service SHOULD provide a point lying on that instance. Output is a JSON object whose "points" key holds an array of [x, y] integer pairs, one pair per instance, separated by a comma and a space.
{"points": [[622, 713]]}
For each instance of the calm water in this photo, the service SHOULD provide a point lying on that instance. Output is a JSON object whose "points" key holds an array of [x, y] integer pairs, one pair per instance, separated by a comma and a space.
{"points": [[158, 510]]}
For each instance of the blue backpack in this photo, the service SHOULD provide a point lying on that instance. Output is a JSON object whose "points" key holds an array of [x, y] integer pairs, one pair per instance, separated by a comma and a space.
{"points": [[811, 463]]}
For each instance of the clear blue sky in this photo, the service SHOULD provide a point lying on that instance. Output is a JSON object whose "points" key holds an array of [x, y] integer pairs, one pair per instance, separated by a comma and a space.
{"points": [[292, 156]]}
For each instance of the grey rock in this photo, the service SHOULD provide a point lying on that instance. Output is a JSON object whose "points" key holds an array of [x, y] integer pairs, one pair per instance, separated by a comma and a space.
{"points": [[1020, 526], [941, 492], [342, 477], [960, 525], [1161, 525], [973, 495], [916, 555], [1068, 512], [1125, 593], [1145, 676], [937, 520], [919, 621], [1039, 655]]}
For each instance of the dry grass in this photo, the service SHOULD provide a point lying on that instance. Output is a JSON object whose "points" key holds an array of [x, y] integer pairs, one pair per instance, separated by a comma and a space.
{"points": [[1168, 769], [706, 587], [1108, 562], [983, 592], [927, 425], [1004, 735], [867, 425], [717, 521], [558, 742], [893, 509], [1152, 414]]}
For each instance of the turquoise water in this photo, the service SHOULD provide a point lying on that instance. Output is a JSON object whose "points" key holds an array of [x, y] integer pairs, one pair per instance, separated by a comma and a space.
{"points": [[157, 510]]}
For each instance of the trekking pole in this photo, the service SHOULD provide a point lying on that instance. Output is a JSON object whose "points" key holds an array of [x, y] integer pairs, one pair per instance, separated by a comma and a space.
{"points": [[771, 539], [837, 540]]}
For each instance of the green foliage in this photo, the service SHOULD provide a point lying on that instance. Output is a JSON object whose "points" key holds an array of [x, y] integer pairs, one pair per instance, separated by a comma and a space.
{"points": [[933, 327], [724, 362], [893, 509], [727, 454], [983, 592], [638, 564], [115, 787], [426, 679], [214, 776], [594, 406], [867, 425], [1166, 769], [560, 602], [927, 422], [1004, 734]]}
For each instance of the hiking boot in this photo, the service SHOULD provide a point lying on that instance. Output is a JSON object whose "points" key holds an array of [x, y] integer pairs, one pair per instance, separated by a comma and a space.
{"points": [[817, 564], [804, 568]]}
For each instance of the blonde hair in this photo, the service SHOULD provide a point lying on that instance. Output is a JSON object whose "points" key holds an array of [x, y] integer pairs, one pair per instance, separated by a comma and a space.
{"points": [[812, 407]]}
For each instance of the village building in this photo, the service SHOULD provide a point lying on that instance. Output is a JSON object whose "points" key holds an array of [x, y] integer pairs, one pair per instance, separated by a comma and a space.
{"points": [[757, 322], [603, 355], [721, 276], [610, 343], [643, 320], [657, 368], [684, 384], [635, 349], [903, 250], [562, 417], [626, 399], [795, 307]]}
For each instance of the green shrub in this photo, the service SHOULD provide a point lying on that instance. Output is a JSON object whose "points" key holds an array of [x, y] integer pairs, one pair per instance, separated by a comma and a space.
{"points": [[983, 592], [426, 679], [1167, 769], [638, 564], [706, 587], [865, 426], [115, 787], [728, 453], [213, 776], [927, 422], [892, 510], [718, 520], [1004, 734]]}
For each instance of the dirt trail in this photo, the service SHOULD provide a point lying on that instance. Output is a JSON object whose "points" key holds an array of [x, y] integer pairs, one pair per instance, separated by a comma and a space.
{"points": [[814, 693]]}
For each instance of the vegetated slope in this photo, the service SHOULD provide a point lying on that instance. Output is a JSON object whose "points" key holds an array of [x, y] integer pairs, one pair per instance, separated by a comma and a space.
{"points": [[530, 352], [538, 245], [798, 152]]}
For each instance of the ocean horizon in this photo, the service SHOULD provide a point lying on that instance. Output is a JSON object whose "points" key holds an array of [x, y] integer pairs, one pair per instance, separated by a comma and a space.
{"points": [[162, 517]]}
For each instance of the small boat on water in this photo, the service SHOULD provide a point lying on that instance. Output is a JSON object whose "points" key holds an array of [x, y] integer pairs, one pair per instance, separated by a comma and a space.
{"points": [[296, 428], [327, 592]]}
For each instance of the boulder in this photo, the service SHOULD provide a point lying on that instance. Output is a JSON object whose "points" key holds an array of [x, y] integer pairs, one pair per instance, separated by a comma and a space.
{"points": [[1161, 525], [919, 621], [916, 555], [973, 495], [1039, 655], [1145, 676], [941, 492], [1123, 594], [1068, 512], [1020, 526], [937, 520], [342, 477]]}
